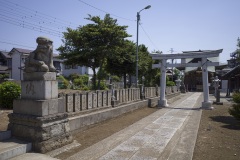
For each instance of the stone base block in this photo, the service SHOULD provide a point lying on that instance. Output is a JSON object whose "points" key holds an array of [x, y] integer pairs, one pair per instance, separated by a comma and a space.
{"points": [[207, 105], [36, 107], [39, 90], [218, 103], [114, 103], [162, 103], [45, 133]]}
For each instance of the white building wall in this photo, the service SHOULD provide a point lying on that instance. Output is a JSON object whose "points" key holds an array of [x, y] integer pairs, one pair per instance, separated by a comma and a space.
{"points": [[16, 63], [78, 70]]}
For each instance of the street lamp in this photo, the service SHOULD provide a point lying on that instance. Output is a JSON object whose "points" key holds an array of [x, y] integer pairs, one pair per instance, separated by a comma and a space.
{"points": [[138, 19]]}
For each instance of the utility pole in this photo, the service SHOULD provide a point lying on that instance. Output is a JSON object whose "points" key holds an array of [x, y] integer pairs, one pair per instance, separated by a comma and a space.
{"points": [[138, 19]]}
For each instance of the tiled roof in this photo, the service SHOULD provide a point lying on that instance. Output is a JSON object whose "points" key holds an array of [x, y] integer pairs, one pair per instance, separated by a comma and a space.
{"points": [[23, 50], [5, 54], [3, 68], [27, 51]]}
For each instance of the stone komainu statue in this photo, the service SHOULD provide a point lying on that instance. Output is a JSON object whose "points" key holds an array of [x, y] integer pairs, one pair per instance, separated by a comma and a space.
{"points": [[41, 59]]}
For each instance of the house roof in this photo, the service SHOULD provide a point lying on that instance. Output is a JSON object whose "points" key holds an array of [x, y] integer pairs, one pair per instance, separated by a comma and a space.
{"points": [[27, 51], [232, 73], [5, 54], [3, 68], [21, 50]]}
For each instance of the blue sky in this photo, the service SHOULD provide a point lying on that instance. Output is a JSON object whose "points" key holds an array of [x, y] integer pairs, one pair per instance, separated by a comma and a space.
{"points": [[183, 25]]}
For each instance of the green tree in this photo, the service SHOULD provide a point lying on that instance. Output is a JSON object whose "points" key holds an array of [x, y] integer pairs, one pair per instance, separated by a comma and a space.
{"points": [[238, 49], [123, 62], [91, 44], [152, 76]]}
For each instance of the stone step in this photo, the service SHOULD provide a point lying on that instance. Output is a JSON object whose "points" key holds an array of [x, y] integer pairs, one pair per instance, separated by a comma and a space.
{"points": [[13, 147], [5, 135]]}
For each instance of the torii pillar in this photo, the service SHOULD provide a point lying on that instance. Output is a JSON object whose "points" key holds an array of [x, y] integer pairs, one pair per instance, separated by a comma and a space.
{"points": [[206, 104], [163, 101]]}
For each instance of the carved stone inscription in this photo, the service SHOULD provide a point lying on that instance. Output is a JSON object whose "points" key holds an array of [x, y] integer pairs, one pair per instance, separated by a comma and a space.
{"points": [[30, 89]]}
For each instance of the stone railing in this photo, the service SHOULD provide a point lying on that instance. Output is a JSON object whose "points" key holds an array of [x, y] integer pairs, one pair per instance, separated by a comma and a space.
{"points": [[84, 101]]}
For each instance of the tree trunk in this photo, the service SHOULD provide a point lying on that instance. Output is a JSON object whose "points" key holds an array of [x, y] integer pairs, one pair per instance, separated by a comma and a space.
{"points": [[125, 80], [130, 81], [99, 79], [94, 78]]}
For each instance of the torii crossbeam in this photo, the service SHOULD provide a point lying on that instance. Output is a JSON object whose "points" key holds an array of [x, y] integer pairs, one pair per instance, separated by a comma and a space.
{"points": [[206, 104]]}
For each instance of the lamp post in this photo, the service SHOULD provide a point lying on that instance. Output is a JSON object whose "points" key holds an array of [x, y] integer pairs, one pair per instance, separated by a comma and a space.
{"points": [[138, 19]]}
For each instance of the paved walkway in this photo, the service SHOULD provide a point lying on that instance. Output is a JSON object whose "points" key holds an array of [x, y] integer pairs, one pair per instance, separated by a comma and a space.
{"points": [[169, 133]]}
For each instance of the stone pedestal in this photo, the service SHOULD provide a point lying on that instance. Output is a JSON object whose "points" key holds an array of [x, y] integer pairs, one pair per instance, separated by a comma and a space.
{"points": [[207, 105], [162, 103], [37, 116]]}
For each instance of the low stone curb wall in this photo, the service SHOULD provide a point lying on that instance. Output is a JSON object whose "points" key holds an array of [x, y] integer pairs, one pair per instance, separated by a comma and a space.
{"points": [[81, 122]]}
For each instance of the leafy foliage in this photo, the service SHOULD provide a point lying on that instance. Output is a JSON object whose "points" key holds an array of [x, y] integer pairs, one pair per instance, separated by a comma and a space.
{"points": [[8, 92], [3, 76], [103, 85], [238, 49], [170, 83], [63, 83], [91, 44], [81, 82], [123, 62], [235, 109], [236, 97], [115, 79]]}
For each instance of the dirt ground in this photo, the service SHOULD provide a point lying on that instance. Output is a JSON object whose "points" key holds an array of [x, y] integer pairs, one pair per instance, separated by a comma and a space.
{"points": [[218, 134], [4, 119]]}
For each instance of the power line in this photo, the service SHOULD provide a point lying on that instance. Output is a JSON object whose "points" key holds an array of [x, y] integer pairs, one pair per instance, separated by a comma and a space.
{"points": [[10, 43], [24, 17], [149, 37], [105, 11], [37, 13]]}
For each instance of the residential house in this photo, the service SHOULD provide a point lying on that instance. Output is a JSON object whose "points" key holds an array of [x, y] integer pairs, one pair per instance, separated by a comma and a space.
{"points": [[19, 55], [233, 75], [71, 69], [5, 62]]}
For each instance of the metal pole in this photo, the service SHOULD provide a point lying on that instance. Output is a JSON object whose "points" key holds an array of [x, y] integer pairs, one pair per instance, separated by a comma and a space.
{"points": [[138, 18]]}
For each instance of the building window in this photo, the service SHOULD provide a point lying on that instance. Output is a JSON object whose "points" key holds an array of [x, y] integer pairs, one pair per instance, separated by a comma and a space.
{"points": [[23, 60]]}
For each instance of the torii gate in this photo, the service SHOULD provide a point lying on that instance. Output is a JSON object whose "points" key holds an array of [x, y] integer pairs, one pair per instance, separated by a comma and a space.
{"points": [[206, 104]]}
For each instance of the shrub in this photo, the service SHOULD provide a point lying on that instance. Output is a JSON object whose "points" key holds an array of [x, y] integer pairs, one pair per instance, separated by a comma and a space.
{"points": [[63, 83], [116, 79], [236, 97], [73, 76], [235, 109], [8, 92], [85, 88], [4, 76], [78, 82], [170, 83], [103, 86]]}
